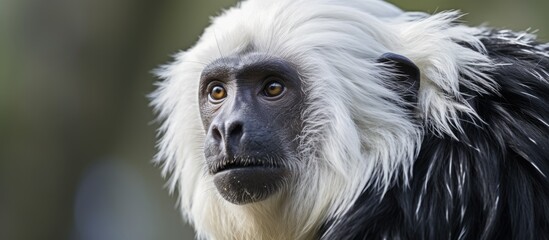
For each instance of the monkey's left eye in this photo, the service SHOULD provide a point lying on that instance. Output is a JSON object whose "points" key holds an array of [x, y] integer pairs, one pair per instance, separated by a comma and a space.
{"points": [[273, 89]]}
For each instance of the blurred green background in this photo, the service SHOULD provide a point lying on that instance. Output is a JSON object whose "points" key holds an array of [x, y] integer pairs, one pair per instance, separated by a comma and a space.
{"points": [[76, 132]]}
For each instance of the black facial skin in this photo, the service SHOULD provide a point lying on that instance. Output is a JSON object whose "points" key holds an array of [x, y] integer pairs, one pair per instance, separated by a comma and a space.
{"points": [[250, 107]]}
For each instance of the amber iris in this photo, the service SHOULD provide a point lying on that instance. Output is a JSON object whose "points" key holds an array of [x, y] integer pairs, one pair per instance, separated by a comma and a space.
{"points": [[218, 93], [274, 89]]}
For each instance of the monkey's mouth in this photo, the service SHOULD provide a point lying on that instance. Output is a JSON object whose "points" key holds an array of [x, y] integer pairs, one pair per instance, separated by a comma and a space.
{"points": [[247, 180], [239, 163]]}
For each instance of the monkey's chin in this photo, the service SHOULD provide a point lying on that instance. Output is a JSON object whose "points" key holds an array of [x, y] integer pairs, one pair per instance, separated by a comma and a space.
{"points": [[249, 184]]}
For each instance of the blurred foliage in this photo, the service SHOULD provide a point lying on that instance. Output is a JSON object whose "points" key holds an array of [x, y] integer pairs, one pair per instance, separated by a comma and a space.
{"points": [[73, 79], [519, 16]]}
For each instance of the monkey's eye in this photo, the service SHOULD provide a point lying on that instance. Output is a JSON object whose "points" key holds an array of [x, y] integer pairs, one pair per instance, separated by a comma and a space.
{"points": [[273, 89], [217, 93]]}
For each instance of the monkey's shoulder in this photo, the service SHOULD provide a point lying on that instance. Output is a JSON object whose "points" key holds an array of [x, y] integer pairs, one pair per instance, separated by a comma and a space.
{"points": [[488, 181]]}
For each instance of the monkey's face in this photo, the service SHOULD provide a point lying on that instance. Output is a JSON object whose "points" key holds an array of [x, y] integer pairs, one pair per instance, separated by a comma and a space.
{"points": [[250, 106]]}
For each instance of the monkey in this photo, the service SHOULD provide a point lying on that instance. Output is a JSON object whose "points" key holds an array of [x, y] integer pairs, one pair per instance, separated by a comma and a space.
{"points": [[322, 119]]}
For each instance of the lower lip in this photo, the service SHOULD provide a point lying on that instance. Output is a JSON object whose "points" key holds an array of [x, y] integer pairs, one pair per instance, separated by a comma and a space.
{"points": [[248, 184]]}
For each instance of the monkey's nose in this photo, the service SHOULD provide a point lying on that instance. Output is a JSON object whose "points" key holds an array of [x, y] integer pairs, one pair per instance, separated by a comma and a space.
{"points": [[228, 136]]}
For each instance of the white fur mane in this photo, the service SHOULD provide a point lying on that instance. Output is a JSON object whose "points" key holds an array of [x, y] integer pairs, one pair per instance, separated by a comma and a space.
{"points": [[353, 136]]}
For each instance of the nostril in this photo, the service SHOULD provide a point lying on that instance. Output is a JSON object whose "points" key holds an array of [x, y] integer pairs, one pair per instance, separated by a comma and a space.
{"points": [[216, 133], [235, 131]]}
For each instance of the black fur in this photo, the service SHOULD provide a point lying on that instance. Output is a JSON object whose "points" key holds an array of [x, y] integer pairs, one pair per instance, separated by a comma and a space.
{"points": [[489, 183]]}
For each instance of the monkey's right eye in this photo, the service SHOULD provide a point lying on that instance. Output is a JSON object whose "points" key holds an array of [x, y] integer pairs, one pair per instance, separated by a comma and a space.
{"points": [[217, 93]]}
